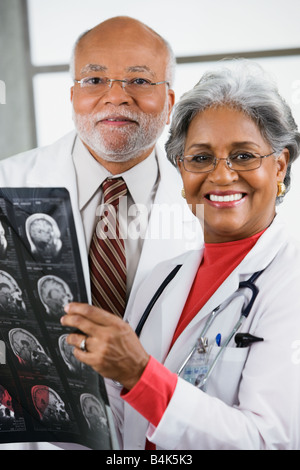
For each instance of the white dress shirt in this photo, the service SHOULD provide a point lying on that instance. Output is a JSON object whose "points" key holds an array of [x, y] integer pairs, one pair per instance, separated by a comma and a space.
{"points": [[134, 210]]}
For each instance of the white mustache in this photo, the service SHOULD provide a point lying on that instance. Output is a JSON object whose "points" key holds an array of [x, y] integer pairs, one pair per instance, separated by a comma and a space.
{"points": [[129, 115]]}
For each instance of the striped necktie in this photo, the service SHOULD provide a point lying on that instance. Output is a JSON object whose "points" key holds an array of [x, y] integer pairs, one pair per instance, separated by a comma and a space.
{"points": [[107, 253]]}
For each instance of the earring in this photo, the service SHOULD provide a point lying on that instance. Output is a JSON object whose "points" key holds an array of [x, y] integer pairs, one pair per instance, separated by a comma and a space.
{"points": [[183, 193], [281, 189]]}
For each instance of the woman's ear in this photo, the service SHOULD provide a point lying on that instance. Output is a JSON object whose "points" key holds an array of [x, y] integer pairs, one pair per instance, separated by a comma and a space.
{"points": [[282, 164], [179, 164]]}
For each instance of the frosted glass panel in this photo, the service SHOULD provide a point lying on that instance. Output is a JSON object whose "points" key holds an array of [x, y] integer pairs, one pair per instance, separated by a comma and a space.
{"points": [[52, 106], [193, 27], [285, 71]]}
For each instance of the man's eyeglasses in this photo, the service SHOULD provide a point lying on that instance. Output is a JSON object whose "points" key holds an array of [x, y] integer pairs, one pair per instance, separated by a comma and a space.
{"points": [[241, 161], [134, 86]]}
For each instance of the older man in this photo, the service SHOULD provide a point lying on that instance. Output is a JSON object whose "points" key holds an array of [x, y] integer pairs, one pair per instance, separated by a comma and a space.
{"points": [[122, 100]]}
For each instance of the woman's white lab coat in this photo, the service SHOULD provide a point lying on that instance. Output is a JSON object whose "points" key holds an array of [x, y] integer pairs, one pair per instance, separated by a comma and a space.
{"points": [[253, 395]]}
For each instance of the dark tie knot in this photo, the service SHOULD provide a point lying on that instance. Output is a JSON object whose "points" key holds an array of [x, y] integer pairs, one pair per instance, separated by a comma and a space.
{"points": [[113, 189]]}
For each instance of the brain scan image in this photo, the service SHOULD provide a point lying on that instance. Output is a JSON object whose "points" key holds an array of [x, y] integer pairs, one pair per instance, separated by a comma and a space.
{"points": [[43, 235], [28, 350], [11, 299], [55, 294], [49, 405]]}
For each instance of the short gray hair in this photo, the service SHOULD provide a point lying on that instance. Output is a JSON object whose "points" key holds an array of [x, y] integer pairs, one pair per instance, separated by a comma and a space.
{"points": [[246, 87]]}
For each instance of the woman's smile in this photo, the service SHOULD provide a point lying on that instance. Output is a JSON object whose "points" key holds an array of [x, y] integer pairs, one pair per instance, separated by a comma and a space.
{"points": [[225, 199]]}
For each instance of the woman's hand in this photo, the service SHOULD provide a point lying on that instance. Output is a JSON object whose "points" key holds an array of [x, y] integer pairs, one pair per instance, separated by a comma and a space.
{"points": [[112, 347]]}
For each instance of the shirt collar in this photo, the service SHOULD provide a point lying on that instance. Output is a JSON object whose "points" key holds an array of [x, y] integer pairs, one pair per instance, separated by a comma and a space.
{"points": [[88, 169], [141, 179]]}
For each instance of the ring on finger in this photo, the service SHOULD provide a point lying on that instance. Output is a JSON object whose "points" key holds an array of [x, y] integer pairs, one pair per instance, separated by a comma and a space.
{"points": [[83, 345]]}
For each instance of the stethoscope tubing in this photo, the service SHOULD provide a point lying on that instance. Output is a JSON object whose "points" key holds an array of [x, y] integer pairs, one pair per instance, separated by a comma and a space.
{"points": [[244, 314], [154, 299]]}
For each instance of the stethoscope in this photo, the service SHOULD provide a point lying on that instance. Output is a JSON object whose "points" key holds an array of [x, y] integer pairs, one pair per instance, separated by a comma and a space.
{"points": [[242, 339]]}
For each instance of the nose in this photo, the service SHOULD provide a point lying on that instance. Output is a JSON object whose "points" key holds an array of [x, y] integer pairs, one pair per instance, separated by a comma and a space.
{"points": [[222, 173], [116, 94]]}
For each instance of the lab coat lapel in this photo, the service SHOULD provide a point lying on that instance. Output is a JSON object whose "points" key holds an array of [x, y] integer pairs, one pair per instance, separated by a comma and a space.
{"points": [[162, 322], [180, 289], [54, 168]]}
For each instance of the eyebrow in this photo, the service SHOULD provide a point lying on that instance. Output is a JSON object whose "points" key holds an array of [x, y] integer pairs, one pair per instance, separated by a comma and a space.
{"points": [[93, 68], [246, 142], [140, 68], [131, 69], [233, 144]]}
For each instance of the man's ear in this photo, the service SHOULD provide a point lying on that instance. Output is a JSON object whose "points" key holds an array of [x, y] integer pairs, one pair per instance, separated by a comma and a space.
{"points": [[171, 102]]}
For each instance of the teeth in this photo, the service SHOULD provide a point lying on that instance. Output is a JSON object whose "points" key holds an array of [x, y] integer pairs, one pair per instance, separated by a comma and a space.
{"points": [[228, 198], [117, 119]]}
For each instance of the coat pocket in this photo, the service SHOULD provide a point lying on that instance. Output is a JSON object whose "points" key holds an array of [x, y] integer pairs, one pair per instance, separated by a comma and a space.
{"points": [[225, 379]]}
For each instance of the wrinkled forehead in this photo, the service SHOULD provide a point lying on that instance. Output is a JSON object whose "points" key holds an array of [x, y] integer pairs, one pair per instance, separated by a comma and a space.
{"points": [[121, 53]]}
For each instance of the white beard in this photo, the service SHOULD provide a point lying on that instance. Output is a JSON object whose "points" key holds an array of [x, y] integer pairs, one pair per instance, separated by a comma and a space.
{"points": [[121, 144]]}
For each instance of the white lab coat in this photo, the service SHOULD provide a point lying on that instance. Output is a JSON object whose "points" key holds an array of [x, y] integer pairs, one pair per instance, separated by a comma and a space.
{"points": [[52, 166], [252, 399]]}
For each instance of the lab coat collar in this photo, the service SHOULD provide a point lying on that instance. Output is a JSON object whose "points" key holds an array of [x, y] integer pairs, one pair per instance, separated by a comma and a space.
{"points": [[54, 168], [54, 165]]}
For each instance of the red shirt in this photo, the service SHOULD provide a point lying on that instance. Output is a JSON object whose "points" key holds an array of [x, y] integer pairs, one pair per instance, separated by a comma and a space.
{"points": [[151, 395]]}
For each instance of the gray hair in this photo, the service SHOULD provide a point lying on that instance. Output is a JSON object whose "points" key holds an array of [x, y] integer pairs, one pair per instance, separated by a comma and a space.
{"points": [[171, 60], [245, 87]]}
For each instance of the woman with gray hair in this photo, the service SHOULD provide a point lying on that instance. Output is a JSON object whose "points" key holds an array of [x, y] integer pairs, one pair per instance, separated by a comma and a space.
{"points": [[216, 365], [245, 87]]}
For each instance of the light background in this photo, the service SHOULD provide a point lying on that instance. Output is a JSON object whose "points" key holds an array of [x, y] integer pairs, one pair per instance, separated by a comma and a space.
{"points": [[193, 28]]}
